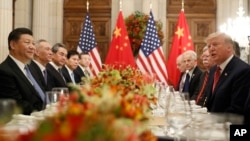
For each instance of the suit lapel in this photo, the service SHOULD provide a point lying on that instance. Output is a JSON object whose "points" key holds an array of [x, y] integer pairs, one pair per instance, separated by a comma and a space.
{"points": [[17, 71], [21, 75], [225, 74]]}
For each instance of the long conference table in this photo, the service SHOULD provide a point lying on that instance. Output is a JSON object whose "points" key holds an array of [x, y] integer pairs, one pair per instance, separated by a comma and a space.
{"points": [[204, 125]]}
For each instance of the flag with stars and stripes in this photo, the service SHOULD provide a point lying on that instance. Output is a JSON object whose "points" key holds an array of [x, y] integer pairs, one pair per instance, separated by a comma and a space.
{"points": [[182, 42], [87, 44], [151, 59], [120, 53]]}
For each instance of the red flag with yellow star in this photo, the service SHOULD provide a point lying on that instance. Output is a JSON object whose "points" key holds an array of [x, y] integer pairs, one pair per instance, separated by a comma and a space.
{"points": [[182, 42], [120, 52]]}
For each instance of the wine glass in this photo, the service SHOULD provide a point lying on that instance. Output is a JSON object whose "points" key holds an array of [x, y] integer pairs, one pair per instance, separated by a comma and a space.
{"points": [[52, 97], [64, 95], [162, 96], [178, 112], [64, 91], [159, 107], [7, 109]]}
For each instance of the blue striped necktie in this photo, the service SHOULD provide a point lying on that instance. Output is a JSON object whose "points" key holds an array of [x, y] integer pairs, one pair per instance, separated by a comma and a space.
{"points": [[34, 83]]}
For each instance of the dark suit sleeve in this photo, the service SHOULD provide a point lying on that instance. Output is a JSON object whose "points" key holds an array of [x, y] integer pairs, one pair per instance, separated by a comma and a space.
{"points": [[240, 92], [247, 110]]}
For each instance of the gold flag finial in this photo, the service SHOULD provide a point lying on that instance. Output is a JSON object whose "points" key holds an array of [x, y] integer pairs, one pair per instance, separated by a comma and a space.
{"points": [[87, 5], [120, 5], [150, 5], [182, 5]]}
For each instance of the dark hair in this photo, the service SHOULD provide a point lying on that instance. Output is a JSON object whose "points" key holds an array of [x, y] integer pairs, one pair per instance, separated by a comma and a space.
{"points": [[83, 53], [236, 48], [71, 53], [56, 46], [16, 34]]}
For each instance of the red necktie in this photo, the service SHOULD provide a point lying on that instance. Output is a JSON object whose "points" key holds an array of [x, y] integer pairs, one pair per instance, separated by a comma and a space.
{"points": [[216, 77], [202, 88]]}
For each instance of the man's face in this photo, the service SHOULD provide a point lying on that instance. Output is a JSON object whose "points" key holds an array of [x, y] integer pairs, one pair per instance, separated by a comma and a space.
{"points": [[218, 49], [43, 52], [181, 65], [206, 59], [59, 58], [24, 48], [189, 61], [85, 60], [73, 62]]}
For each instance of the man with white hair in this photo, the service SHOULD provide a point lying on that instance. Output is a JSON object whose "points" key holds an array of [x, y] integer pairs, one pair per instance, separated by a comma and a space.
{"points": [[193, 72]]}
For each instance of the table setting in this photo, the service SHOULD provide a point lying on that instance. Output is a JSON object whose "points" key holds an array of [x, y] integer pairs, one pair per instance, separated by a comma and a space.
{"points": [[178, 118]]}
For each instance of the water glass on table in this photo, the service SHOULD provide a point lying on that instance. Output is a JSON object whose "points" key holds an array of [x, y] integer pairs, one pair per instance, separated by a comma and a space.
{"points": [[63, 91], [8, 107], [178, 112]]}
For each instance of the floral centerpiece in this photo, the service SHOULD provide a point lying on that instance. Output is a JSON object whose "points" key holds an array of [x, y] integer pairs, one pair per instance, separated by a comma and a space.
{"points": [[136, 24], [112, 106]]}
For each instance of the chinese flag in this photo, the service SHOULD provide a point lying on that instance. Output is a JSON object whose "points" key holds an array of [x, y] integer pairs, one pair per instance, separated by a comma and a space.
{"points": [[182, 41], [120, 53]]}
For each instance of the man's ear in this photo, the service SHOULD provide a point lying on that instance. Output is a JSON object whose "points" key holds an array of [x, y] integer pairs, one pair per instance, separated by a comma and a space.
{"points": [[36, 52], [12, 45]]}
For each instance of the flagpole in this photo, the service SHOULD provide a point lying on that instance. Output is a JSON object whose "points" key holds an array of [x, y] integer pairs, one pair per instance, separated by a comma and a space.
{"points": [[150, 5], [120, 5], [182, 5], [87, 5]]}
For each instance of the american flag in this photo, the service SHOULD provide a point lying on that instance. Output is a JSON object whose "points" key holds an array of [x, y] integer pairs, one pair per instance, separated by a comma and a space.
{"points": [[151, 59], [88, 44]]}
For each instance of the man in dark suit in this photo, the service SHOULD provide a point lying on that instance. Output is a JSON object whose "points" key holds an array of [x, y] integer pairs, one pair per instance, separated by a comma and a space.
{"points": [[229, 92], [42, 57], [194, 72], [71, 64], [199, 96], [55, 77], [14, 81], [83, 68]]}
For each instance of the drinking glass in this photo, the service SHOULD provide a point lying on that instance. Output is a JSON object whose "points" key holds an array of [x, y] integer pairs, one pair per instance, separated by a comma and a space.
{"points": [[162, 96], [178, 112], [7, 109], [52, 97], [63, 91]]}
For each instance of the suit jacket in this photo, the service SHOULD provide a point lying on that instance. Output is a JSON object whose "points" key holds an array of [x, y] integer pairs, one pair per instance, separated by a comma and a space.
{"points": [[38, 75], [232, 88], [196, 93], [15, 85], [194, 82], [79, 74], [55, 79], [67, 77]]}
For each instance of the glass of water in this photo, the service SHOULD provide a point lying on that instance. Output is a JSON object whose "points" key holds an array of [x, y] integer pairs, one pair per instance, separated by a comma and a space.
{"points": [[8, 107]]}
